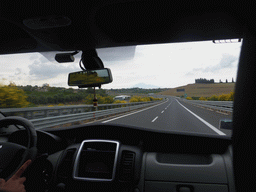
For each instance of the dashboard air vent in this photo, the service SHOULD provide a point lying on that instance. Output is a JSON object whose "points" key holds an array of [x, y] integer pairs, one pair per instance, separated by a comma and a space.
{"points": [[127, 166], [65, 168]]}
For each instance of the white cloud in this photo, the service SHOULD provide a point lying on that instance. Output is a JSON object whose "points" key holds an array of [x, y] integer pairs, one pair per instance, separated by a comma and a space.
{"points": [[162, 65], [171, 65], [47, 70]]}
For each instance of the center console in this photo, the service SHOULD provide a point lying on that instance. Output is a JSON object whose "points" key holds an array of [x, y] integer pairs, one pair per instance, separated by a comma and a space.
{"points": [[96, 160]]}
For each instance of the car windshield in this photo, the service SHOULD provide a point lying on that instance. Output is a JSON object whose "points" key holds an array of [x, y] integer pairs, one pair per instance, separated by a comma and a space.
{"points": [[181, 87]]}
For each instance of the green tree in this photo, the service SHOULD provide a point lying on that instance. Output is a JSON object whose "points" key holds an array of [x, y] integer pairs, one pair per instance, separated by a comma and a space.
{"points": [[42, 99], [60, 98], [89, 99], [109, 100], [56, 99], [101, 100], [102, 92], [50, 100], [27, 88], [90, 90], [12, 97], [33, 99]]}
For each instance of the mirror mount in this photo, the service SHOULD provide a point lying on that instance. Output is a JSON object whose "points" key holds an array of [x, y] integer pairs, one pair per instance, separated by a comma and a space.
{"points": [[90, 60], [65, 57]]}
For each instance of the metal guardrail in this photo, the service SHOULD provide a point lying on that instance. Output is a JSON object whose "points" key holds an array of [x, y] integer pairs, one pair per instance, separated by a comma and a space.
{"points": [[226, 106], [60, 120], [43, 117], [41, 112]]}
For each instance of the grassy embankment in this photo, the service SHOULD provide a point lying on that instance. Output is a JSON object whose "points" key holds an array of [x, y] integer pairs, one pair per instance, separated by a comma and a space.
{"points": [[201, 90]]}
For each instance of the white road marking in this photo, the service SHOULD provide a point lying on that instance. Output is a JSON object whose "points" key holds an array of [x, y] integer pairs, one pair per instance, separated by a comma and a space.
{"points": [[154, 119], [205, 122], [168, 106], [162, 111], [133, 113]]}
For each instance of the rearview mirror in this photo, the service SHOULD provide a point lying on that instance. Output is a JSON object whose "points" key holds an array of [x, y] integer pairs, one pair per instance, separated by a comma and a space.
{"points": [[90, 78]]}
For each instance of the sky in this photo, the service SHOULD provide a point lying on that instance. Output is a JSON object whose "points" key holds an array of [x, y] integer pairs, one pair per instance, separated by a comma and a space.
{"points": [[146, 66]]}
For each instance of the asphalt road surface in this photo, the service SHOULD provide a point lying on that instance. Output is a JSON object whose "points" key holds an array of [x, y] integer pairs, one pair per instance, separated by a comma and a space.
{"points": [[175, 115]]}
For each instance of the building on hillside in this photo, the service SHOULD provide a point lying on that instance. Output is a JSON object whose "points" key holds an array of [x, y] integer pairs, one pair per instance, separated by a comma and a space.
{"points": [[180, 90], [122, 98]]}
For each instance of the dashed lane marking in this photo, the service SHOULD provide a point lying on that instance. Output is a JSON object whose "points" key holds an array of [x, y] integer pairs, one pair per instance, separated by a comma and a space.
{"points": [[154, 119], [133, 113]]}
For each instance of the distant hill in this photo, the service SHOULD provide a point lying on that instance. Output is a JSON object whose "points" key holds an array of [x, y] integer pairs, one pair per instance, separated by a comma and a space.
{"points": [[201, 90], [145, 86], [134, 91]]}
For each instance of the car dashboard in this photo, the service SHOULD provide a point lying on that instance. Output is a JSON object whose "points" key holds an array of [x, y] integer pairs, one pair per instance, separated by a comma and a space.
{"points": [[120, 158]]}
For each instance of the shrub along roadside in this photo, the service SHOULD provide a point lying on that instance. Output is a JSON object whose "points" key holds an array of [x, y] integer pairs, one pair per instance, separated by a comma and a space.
{"points": [[222, 97], [12, 97], [143, 99]]}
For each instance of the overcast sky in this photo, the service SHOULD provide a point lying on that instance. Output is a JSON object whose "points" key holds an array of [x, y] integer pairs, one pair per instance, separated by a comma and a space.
{"points": [[154, 66]]}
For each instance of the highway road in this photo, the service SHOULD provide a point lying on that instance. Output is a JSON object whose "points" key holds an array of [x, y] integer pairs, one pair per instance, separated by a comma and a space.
{"points": [[175, 115]]}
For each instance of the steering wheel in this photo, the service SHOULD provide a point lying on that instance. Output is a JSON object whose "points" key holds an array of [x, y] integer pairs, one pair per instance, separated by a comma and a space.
{"points": [[12, 155]]}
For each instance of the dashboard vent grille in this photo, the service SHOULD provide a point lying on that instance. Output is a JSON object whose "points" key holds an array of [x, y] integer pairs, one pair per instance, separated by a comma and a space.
{"points": [[65, 168], [127, 166]]}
